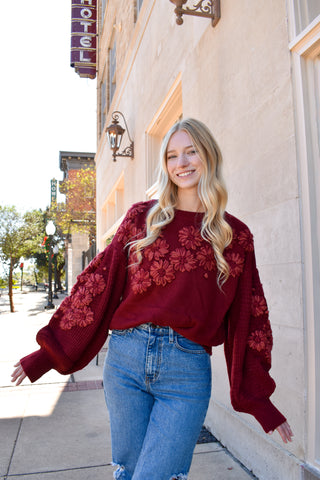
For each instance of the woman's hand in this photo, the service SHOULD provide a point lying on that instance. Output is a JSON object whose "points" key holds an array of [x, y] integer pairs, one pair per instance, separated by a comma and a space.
{"points": [[285, 432], [18, 374]]}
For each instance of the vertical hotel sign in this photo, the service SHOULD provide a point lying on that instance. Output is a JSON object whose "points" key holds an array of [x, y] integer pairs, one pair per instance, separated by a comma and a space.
{"points": [[84, 37], [53, 191]]}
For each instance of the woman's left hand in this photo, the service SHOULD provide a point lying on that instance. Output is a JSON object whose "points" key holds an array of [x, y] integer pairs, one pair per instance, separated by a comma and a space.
{"points": [[285, 432], [18, 374]]}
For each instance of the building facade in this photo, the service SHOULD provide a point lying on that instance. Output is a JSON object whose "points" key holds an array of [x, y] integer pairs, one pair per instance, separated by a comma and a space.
{"points": [[77, 242], [254, 80]]}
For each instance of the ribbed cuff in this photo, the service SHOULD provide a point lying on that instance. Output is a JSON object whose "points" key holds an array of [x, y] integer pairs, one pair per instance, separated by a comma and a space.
{"points": [[268, 416], [36, 364]]}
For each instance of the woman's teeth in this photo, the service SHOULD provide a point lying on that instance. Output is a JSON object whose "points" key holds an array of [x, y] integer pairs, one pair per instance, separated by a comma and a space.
{"points": [[185, 174]]}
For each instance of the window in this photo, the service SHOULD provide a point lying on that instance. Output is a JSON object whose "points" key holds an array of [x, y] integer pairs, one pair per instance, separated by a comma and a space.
{"points": [[305, 12], [113, 209], [112, 71], [169, 112], [305, 50]]}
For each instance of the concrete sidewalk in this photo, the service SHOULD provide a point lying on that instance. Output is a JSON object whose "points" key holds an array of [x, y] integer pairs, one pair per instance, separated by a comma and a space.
{"points": [[58, 428]]}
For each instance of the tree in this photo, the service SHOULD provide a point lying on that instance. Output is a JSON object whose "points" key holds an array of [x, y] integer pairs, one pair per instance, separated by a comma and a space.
{"points": [[78, 213], [19, 237]]}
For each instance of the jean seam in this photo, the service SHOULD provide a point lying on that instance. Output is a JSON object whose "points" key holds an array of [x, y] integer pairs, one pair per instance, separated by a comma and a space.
{"points": [[189, 350]]}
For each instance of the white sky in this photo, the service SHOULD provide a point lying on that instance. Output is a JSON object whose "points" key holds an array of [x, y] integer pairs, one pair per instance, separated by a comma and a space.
{"points": [[45, 106]]}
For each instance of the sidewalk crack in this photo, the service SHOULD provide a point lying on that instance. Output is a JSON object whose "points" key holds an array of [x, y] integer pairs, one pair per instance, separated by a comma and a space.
{"points": [[67, 469], [14, 448]]}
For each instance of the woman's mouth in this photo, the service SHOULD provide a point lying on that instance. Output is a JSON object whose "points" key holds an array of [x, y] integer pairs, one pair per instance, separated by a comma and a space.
{"points": [[185, 174]]}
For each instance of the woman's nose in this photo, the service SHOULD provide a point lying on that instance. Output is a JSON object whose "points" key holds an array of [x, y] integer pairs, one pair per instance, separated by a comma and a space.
{"points": [[182, 160]]}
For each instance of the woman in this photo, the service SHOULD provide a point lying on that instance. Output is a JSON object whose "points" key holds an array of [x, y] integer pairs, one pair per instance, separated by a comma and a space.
{"points": [[178, 278]]}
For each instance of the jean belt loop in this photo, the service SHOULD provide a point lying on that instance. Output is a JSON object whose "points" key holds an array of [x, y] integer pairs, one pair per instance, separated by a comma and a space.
{"points": [[171, 335]]}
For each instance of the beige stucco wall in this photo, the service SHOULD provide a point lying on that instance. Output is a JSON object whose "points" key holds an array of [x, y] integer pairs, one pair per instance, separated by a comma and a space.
{"points": [[235, 77]]}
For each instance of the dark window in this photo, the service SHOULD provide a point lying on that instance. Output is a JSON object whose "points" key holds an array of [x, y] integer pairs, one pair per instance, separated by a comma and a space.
{"points": [[112, 72], [102, 105]]}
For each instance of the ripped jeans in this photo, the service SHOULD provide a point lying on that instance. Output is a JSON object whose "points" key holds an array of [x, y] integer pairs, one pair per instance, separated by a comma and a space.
{"points": [[157, 387]]}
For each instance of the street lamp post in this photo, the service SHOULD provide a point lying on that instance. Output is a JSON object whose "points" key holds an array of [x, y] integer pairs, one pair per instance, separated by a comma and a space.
{"points": [[55, 256], [50, 231]]}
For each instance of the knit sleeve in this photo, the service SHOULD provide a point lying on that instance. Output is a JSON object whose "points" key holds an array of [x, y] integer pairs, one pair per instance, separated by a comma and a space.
{"points": [[79, 327], [248, 347]]}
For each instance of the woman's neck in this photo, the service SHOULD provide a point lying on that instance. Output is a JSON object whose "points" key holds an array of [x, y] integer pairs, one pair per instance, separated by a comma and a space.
{"points": [[189, 202]]}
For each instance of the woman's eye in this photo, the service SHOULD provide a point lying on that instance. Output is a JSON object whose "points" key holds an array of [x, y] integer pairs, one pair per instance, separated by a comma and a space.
{"points": [[170, 157], [192, 152]]}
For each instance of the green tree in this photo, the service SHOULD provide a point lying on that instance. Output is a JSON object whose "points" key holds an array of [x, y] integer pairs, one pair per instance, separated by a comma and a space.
{"points": [[20, 236]]}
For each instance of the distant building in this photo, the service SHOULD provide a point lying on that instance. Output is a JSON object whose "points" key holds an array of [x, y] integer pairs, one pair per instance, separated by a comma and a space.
{"points": [[254, 80], [80, 248]]}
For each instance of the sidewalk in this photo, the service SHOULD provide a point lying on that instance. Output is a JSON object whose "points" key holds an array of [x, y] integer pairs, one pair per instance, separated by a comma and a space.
{"points": [[58, 428]]}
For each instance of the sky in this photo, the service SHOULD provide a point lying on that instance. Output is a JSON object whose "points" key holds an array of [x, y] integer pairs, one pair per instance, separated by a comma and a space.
{"points": [[45, 106]]}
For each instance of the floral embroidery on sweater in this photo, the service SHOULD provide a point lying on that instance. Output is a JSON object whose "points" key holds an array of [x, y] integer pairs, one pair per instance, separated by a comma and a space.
{"points": [[190, 237], [162, 272], [160, 264], [194, 253], [94, 283], [156, 250], [164, 263], [259, 305], [82, 297], [75, 308], [236, 263], [245, 239], [141, 281], [206, 258], [128, 231], [95, 262], [261, 340], [183, 260], [135, 210]]}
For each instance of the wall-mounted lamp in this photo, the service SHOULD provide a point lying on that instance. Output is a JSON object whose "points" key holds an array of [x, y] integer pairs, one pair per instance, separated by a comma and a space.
{"points": [[115, 133], [204, 8]]}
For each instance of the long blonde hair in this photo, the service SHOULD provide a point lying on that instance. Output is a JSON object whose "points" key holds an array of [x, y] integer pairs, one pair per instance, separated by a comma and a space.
{"points": [[211, 190]]}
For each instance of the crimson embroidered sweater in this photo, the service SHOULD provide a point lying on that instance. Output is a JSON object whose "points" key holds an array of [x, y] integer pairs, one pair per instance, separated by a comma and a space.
{"points": [[175, 285]]}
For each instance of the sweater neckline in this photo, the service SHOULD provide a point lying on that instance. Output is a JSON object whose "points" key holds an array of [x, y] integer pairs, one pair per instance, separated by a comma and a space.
{"points": [[187, 212]]}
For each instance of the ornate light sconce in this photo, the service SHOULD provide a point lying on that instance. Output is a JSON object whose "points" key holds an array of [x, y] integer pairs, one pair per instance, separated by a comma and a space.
{"points": [[204, 8], [114, 135]]}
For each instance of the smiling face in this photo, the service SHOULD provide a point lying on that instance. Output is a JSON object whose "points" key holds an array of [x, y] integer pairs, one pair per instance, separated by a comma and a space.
{"points": [[184, 165]]}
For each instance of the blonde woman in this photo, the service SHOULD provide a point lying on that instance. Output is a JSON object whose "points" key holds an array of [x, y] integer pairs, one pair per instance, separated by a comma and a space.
{"points": [[178, 279]]}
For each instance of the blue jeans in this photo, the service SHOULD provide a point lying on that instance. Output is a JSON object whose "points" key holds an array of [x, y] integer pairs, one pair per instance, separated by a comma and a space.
{"points": [[157, 388]]}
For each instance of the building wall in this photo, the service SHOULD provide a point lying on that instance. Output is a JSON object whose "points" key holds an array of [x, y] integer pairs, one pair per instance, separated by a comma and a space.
{"points": [[237, 78], [79, 244]]}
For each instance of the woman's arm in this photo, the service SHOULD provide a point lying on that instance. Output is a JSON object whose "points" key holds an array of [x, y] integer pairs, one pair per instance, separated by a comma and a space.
{"points": [[79, 327], [248, 347]]}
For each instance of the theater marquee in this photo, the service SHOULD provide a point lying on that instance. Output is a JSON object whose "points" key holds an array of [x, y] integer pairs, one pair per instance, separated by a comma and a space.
{"points": [[83, 37]]}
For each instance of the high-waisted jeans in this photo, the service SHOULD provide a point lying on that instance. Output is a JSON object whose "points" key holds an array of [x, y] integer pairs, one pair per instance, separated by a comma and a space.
{"points": [[157, 388]]}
